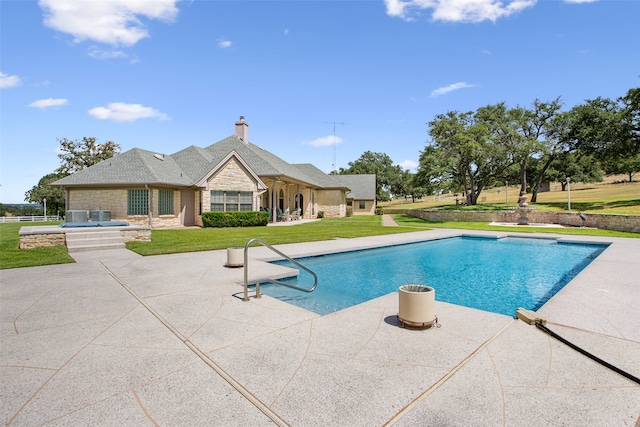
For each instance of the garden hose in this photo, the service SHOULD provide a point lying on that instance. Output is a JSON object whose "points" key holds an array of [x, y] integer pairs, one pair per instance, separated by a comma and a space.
{"points": [[635, 379]]}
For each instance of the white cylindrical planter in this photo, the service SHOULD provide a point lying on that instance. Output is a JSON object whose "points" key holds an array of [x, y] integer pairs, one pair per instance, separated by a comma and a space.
{"points": [[235, 257], [417, 305]]}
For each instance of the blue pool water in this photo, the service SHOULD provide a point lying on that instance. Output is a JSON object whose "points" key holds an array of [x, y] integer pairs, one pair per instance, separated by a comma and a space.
{"points": [[497, 275]]}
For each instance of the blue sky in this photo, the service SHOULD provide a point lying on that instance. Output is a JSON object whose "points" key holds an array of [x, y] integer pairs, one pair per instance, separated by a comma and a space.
{"points": [[162, 74]]}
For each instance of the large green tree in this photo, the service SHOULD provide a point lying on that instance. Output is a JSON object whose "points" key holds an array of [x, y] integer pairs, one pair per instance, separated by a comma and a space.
{"points": [[479, 145], [537, 129], [610, 130], [436, 172], [575, 165], [55, 195], [409, 186], [76, 155]]}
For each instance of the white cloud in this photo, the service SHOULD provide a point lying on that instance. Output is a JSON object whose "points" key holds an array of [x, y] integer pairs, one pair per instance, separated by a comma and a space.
{"points": [[286, 31], [408, 165], [101, 54], [48, 103], [7, 81], [114, 22], [458, 10], [324, 141], [122, 112], [446, 89], [224, 43]]}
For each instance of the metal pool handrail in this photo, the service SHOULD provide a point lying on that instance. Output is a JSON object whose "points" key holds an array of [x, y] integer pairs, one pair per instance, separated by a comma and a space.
{"points": [[277, 282]]}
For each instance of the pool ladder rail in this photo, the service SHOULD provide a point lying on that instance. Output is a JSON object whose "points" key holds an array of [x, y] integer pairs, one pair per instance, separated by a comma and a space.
{"points": [[277, 282]]}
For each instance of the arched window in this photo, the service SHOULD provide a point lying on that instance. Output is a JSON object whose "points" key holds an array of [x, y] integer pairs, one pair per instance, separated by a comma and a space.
{"points": [[281, 199]]}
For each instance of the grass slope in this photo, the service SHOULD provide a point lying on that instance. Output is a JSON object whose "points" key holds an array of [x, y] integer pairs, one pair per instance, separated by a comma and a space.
{"points": [[606, 198]]}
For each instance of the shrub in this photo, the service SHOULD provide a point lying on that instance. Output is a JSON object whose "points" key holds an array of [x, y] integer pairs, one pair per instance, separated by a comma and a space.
{"points": [[349, 211], [235, 219], [320, 214], [379, 210]]}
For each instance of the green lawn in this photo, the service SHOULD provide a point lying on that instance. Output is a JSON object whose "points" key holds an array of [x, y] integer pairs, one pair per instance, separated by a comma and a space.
{"points": [[205, 239], [13, 257]]}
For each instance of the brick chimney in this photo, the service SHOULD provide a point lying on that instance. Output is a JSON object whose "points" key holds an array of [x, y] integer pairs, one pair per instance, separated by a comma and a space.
{"points": [[242, 130]]}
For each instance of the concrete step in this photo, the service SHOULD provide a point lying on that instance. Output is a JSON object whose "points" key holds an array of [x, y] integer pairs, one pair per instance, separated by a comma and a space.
{"points": [[83, 235], [94, 241]]}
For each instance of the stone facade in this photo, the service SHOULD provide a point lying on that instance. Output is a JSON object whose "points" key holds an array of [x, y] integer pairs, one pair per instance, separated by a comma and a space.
{"points": [[332, 202], [627, 223], [232, 177], [115, 200], [369, 207]]}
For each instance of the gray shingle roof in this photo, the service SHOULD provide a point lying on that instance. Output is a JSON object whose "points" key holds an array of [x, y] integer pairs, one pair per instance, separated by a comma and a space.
{"points": [[320, 178], [188, 166], [363, 187], [135, 166]]}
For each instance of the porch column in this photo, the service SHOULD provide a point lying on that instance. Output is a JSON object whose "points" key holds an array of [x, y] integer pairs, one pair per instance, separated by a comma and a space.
{"points": [[288, 199], [274, 201]]}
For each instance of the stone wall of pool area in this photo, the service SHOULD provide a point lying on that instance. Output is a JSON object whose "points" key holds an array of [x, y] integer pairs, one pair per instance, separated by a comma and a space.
{"points": [[31, 241], [617, 222], [44, 236]]}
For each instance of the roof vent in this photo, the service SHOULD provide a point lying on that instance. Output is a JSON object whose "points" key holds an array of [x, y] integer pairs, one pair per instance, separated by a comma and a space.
{"points": [[158, 156]]}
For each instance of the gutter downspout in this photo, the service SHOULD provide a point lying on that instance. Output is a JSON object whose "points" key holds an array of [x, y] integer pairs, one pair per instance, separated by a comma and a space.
{"points": [[150, 201]]}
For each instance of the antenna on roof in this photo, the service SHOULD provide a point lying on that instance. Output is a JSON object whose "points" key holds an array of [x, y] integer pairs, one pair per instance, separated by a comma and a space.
{"points": [[334, 166]]}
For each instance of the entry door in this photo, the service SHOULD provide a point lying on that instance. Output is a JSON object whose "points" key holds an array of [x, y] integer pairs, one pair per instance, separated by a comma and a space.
{"points": [[187, 211]]}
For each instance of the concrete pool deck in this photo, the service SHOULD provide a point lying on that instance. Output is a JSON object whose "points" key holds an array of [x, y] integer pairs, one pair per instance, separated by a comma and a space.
{"points": [[120, 339]]}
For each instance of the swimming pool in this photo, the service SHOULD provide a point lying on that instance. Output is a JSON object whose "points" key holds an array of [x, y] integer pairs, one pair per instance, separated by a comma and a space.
{"points": [[491, 274]]}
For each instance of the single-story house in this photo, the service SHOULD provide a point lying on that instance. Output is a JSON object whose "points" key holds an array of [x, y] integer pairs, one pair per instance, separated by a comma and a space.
{"points": [[362, 192], [158, 190]]}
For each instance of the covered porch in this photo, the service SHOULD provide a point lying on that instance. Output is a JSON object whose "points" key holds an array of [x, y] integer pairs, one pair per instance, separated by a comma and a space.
{"points": [[284, 196]]}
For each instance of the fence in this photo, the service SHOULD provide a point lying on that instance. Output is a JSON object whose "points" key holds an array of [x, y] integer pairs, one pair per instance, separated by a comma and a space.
{"points": [[29, 218]]}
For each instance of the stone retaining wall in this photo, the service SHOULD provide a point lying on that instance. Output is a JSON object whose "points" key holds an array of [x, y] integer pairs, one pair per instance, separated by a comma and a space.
{"points": [[628, 223], [41, 240], [40, 237], [138, 235]]}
